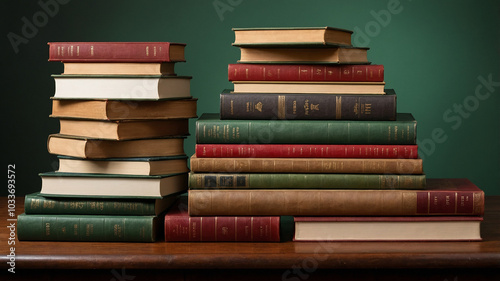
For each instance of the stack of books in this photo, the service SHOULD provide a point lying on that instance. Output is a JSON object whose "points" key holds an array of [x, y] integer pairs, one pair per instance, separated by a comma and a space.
{"points": [[310, 131], [123, 115]]}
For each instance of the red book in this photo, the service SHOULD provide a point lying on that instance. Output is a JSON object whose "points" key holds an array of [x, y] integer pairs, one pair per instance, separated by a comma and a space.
{"points": [[116, 51], [180, 227], [305, 151], [304, 72]]}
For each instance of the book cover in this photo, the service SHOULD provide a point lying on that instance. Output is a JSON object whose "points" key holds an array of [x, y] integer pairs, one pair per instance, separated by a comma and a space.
{"points": [[95, 228], [116, 51], [180, 227], [295, 36], [304, 181], [210, 129], [291, 106], [441, 197], [119, 68]]}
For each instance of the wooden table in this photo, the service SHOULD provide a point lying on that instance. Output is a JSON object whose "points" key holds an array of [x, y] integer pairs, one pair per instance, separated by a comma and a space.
{"points": [[257, 261]]}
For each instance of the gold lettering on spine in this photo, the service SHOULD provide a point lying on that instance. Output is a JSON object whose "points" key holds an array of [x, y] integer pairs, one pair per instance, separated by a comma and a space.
{"points": [[77, 51], [235, 228], [147, 51], [201, 228], [338, 107], [92, 50], [71, 50], [59, 51], [281, 107], [154, 51]]}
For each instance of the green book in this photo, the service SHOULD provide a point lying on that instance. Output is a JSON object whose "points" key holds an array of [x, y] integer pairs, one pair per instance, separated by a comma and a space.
{"points": [[87, 228], [35, 203], [304, 181], [210, 129]]}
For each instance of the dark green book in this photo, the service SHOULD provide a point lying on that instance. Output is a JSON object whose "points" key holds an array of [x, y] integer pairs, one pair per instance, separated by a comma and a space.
{"points": [[87, 228], [211, 129], [304, 181], [35, 203]]}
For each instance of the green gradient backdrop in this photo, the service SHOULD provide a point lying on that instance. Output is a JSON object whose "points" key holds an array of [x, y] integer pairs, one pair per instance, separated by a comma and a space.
{"points": [[436, 53]]}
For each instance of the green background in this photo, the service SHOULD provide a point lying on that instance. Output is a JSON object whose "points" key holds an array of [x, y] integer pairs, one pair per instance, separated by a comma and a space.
{"points": [[438, 56]]}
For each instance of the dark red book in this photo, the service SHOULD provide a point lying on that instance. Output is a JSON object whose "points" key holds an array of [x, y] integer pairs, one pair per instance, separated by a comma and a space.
{"points": [[305, 151], [116, 51], [180, 227], [305, 72]]}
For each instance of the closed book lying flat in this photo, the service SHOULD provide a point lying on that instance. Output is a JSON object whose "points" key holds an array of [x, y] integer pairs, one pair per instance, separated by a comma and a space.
{"points": [[100, 185], [291, 36], [92, 148], [180, 227], [126, 166], [358, 88], [441, 197], [344, 55], [83, 228], [307, 165], [127, 87], [304, 181], [449, 228], [105, 109], [119, 68], [35, 203]]}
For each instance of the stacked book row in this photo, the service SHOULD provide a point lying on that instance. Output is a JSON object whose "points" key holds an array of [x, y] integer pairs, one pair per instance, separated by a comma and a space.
{"points": [[123, 115]]}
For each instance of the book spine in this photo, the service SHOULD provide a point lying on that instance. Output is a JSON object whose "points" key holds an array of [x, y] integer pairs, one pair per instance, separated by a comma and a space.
{"points": [[300, 165], [305, 132], [86, 228], [304, 181], [183, 228], [333, 203], [110, 52], [305, 151], [72, 206], [301, 72], [307, 106]]}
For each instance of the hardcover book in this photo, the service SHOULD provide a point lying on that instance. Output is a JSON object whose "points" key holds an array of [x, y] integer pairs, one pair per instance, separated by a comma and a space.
{"points": [[116, 51], [180, 227], [301, 87], [441, 197], [291, 36], [129, 87], [290, 106], [119, 68], [210, 129]]}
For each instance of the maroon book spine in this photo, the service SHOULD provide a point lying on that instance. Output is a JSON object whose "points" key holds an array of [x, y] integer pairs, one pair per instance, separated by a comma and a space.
{"points": [[112, 51], [180, 227], [305, 151], [304, 72]]}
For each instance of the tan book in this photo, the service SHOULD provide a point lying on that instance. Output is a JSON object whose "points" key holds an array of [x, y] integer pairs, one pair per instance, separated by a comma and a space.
{"points": [[333, 55], [292, 35], [124, 130], [375, 88], [307, 165], [124, 110], [96, 148], [125, 68]]}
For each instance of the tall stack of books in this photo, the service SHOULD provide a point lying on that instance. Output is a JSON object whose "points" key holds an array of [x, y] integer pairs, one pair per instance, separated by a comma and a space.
{"points": [[310, 131], [123, 115]]}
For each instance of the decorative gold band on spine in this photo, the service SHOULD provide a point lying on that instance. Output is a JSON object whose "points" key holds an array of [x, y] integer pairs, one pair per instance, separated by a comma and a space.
{"points": [[281, 107], [338, 107]]}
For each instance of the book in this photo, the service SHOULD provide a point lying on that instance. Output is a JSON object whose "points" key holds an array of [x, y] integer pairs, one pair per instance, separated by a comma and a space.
{"points": [[422, 228], [304, 181], [119, 68], [290, 106], [301, 87], [306, 151], [135, 87], [292, 36], [105, 109], [307, 165], [331, 55], [125, 129], [180, 227], [102, 185], [116, 51], [441, 197], [94, 228], [34, 203], [305, 72], [126, 166], [81, 147], [210, 129]]}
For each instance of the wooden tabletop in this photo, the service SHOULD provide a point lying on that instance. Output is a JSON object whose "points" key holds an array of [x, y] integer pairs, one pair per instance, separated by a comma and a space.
{"points": [[331, 255]]}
